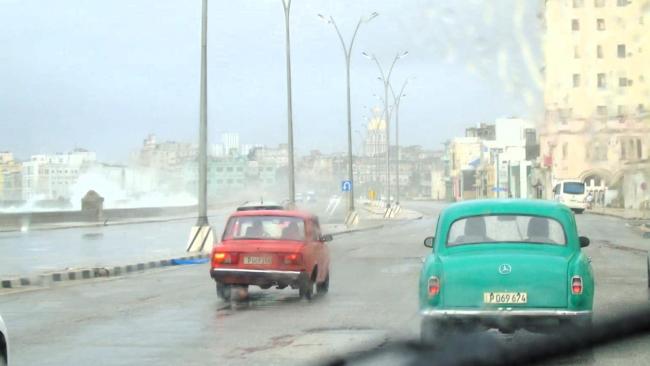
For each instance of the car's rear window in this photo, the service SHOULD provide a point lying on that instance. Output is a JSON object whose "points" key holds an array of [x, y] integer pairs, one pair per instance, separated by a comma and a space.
{"points": [[265, 228], [574, 188], [506, 229]]}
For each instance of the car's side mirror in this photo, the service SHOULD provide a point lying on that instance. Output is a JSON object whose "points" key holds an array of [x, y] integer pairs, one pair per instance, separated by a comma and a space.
{"points": [[428, 242], [326, 237], [584, 241]]}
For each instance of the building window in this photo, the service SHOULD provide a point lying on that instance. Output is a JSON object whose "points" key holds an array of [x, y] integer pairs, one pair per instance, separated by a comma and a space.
{"points": [[578, 3], [599, 51], [601, 110], [631, 149], [622, 149], [640, 108], [621, 2], [622, 111], [639, 149], [576, 80], [620, 51], [575, 25], [219, 169], [599, 3], [229, 169], [565, 150], [576, 52], [622, 82], [600, 24], [602, 81]]}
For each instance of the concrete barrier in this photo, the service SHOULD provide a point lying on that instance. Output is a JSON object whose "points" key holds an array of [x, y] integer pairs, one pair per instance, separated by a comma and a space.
{"points": [[77, 274], [25, 219]]}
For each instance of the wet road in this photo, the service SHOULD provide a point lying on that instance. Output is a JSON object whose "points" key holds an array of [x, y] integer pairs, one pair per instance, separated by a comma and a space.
{"points": [[172, 316], [37, 251]]}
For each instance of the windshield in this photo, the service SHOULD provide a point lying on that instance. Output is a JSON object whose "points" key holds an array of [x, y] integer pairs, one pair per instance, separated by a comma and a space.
{"points": [[506, 229], [265, 227], [574, 188], [140, 134]]}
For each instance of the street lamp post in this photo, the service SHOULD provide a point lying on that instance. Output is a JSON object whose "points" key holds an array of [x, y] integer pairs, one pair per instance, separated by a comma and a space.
{"points": [[286, 4], [385, 78], [347, 51], [397, 98], [201, 236], [203, 122]]}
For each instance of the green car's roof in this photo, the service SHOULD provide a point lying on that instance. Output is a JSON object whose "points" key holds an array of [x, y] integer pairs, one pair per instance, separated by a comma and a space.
{"points": [[505, 206]]}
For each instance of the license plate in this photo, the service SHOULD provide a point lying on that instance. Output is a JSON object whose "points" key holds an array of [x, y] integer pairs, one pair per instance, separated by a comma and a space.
{"points": [[257, 260], [505, 297]]}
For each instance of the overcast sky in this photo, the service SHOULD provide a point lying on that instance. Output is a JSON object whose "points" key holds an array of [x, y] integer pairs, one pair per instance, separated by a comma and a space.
{"points": [[104, 74]]}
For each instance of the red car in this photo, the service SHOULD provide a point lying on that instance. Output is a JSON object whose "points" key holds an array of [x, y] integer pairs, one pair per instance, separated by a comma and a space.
{"points": [[271, 247]]}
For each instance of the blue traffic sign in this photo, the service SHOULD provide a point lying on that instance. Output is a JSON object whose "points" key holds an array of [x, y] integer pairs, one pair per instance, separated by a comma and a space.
{"points": [[346, 186]]}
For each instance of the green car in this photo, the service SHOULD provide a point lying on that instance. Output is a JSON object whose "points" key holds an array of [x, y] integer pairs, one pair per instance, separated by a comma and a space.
{"points": [[505, 264]]}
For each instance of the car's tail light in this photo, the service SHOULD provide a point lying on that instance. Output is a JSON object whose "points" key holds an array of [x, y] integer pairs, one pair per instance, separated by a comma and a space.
{"points": [[434, 286], [576, 285], [225, 258], [293, 258]]}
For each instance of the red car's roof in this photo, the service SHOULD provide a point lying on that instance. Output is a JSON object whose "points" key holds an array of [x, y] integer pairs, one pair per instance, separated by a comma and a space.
{"points": [[289, 213]]}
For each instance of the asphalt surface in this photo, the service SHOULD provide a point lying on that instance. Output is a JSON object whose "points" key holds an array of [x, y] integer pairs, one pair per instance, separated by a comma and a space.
{"points": [[37, 251], [173, 317]]}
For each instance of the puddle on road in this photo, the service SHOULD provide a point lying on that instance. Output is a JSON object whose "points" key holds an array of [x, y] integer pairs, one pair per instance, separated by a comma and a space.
{"points": [[403, 268], [318, 344]]}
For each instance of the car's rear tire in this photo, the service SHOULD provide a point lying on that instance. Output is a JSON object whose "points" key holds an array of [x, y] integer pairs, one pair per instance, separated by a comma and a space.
{"points": [[323, 287], [580, 326], [648, 267], [224, 291], [431, 331], [239, 292], [306, 289]]}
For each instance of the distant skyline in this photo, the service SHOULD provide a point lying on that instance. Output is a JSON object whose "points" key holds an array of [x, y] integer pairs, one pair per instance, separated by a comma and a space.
{"points": [[103, 75]]}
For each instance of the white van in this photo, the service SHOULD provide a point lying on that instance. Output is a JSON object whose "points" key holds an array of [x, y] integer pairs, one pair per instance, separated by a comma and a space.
{"points": [[572, 193]]}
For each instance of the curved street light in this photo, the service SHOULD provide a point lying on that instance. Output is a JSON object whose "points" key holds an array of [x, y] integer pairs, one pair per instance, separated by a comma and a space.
{"points": [[385, 78], [347, 51], [397, 98]]}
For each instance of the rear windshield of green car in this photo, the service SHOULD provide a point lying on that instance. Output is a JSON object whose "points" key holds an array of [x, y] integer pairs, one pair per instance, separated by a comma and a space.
{"points": [[506, 229]]}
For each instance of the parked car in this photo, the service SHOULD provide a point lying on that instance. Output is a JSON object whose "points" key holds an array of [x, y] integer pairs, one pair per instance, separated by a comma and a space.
{"points": [[505, 264], [271, 248], [4, 344], [572, 193]]}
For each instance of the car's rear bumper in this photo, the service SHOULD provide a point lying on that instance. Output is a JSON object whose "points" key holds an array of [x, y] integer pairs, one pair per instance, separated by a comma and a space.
{"points": [[509, 318], [255, 276], [505, 312], [576, 205]]}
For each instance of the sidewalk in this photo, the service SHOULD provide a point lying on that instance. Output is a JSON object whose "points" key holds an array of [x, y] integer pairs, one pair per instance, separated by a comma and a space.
{"points": [[623, 213]]}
